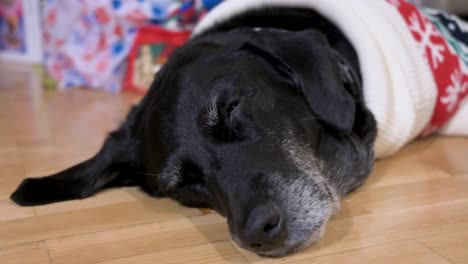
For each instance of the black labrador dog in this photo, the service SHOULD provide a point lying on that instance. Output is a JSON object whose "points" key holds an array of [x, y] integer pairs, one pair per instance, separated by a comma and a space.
{"points": [[260, 120]]}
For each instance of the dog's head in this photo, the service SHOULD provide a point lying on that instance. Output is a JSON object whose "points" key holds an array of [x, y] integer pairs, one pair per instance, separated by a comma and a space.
{"points": [[267, 127]]}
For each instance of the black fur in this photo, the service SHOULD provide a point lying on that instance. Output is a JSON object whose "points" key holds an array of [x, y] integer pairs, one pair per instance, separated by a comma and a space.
{"points": [[267, 127]]}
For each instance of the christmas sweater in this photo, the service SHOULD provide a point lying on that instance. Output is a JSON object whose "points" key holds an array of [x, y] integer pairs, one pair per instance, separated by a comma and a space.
{"points": [[414, 62]]}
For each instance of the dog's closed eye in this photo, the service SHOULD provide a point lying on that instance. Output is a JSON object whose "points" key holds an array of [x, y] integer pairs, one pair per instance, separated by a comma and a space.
{"points": [[220, 121], [232, 106]]}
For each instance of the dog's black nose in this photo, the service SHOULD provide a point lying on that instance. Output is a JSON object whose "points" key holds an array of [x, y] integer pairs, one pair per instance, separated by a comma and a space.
{"points": [[265, 228]]}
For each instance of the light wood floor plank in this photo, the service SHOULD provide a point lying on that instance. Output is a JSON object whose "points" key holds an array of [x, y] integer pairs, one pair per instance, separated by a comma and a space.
{"points": [[405, 252], [402, 196], [220, 252], [11, 211], [452, 245], [426, 160], [138, 240], [34, 253], [10, 177], [104, 198], [413, 208], [90, 220]]}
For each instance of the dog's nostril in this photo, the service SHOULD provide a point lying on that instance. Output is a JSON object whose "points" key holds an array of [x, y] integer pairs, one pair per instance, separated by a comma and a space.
{"points": [[268, 227], [264, 228], [271, 224]]}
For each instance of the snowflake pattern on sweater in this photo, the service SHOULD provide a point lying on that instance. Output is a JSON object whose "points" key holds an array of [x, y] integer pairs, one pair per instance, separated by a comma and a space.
{"points": [[443, 41]]}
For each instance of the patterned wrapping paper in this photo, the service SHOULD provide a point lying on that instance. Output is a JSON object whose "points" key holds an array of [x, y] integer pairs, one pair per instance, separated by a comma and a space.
{"points": [[12, 27], [86, 42], [150, 51]]}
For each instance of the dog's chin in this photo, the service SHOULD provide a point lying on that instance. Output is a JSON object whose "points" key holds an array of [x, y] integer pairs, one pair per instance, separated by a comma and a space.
{"points": [[289, 247]]}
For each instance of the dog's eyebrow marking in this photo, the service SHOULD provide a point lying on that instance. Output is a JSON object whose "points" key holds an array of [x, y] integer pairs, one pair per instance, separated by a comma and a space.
{"points": [[311, 166], [211, 117]]}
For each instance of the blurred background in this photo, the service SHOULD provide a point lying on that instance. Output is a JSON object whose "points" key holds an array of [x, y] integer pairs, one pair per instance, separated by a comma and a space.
{"points": [[454, 6], [109, 45]]}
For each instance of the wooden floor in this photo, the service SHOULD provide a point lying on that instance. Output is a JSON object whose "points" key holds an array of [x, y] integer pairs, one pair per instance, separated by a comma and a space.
{"points": [[414, 208]]}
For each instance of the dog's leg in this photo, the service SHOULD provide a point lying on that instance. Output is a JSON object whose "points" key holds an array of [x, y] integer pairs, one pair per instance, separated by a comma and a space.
{"points": [[107, 168]]}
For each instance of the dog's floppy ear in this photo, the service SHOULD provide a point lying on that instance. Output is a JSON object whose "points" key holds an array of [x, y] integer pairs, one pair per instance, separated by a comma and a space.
{"points": [[110, 167], [311, 65]]}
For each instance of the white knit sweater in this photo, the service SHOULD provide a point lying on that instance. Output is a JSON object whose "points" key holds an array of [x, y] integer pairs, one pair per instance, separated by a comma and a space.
{"points": [[399, 88]]}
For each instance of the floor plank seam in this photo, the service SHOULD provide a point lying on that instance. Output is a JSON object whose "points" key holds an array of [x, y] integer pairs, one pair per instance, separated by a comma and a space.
{"points": [[436, 233], [353, 249], [437, 254], [407, 209], [178, 248], [104, 230], [44, 246], [22, 244], [119, 227]]}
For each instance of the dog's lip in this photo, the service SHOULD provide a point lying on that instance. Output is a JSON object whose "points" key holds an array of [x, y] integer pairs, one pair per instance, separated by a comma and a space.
{"points": [[276, 253], [280, 251], [256, 251], [284, 249]]}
